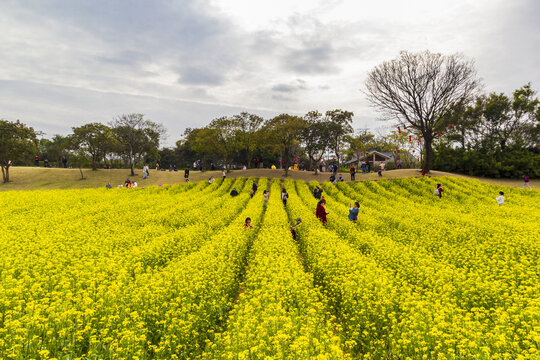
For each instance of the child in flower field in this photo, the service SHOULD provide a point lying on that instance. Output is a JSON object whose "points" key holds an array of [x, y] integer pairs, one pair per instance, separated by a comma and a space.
{"points": [[293, 228], [247, 224], [439, 190], [284, 197], [321, 213], [353, 211], [266, 195], [500, 199], [234, 192]]}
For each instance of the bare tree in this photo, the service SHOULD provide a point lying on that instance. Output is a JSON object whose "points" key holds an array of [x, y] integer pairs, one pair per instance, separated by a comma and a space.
{"points": [[418, 88]]}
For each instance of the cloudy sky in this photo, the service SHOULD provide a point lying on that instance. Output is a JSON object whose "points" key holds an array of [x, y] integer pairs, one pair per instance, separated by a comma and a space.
{"points": [[182, 63]]}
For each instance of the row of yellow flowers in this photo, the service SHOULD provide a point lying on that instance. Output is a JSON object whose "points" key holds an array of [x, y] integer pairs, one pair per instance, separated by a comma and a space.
{"points": [[456, 294], [66, 288], [279, 314]]}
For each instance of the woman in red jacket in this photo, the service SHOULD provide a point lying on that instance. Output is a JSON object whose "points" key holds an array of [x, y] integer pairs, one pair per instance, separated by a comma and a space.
{"points": [[321, 212]]}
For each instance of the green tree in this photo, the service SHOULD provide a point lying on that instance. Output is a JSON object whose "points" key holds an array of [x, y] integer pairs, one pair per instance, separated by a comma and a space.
{"points": [[248, 133], [359, 144], [17, 142], [283, 133], [508, 122], [137, 137], [224, 134], [202, 142], [94, 138], [315, 137], [419, 88], [53, 149], [339, 125]]}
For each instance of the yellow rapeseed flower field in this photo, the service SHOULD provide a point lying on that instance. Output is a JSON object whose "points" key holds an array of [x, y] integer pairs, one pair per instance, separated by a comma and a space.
{"points": [[171, 272]]}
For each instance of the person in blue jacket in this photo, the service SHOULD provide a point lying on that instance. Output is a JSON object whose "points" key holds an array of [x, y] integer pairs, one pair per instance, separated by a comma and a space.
{"points": [[353, 212]]}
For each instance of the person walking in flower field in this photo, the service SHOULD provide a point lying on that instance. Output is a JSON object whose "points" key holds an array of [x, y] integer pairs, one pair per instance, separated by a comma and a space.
{"points": [[526, 182], [284, 197], [293, 228], [254, 187], [266, 196], [321, 213], [247, 224], [500, 198]]}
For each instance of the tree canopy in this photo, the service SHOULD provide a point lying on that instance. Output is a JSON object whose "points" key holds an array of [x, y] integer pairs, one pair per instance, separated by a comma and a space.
{"points": [[17, 142]]}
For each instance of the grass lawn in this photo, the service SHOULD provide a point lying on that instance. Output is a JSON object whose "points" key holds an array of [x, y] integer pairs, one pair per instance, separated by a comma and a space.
{"points": [[34, 178]]}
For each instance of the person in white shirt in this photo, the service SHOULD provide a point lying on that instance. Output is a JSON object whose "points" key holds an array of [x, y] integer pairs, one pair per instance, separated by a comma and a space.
{"points": [[145, 172], [135, 184], [500, 199]]}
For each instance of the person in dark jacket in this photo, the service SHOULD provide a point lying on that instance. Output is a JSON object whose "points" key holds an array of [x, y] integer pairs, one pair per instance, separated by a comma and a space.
{"points": [[234, 192], [321, 213], [284, 197], [317, 192], [293, 228]]}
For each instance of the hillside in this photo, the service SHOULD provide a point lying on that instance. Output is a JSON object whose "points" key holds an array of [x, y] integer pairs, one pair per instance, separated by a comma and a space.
{"points": [[33, 178]]}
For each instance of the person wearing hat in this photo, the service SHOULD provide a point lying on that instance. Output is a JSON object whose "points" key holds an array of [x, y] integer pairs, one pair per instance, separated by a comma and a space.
{"points": [[293, 228]]}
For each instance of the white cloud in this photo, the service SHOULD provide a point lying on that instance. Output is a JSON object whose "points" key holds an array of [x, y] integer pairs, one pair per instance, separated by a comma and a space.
{"points": [[89, 61]]}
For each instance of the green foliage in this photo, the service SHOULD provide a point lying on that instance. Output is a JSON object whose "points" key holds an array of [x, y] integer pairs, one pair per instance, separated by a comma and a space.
{"points": [[339, 127], [17, 142], [315, 136], [283, 133], [512, 163], [137, 137], [95, 139]]}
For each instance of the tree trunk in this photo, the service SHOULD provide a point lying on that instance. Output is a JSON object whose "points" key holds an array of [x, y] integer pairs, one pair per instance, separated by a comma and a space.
{"points": [[5, 173], [132, 160], [429, 153], [94, 164], [82, 175]]}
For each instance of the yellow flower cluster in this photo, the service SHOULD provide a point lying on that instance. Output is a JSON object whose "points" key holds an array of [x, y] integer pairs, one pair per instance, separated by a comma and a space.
{"points": [[70, 283], [172, 273], [279, 314], [463, 281]]}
